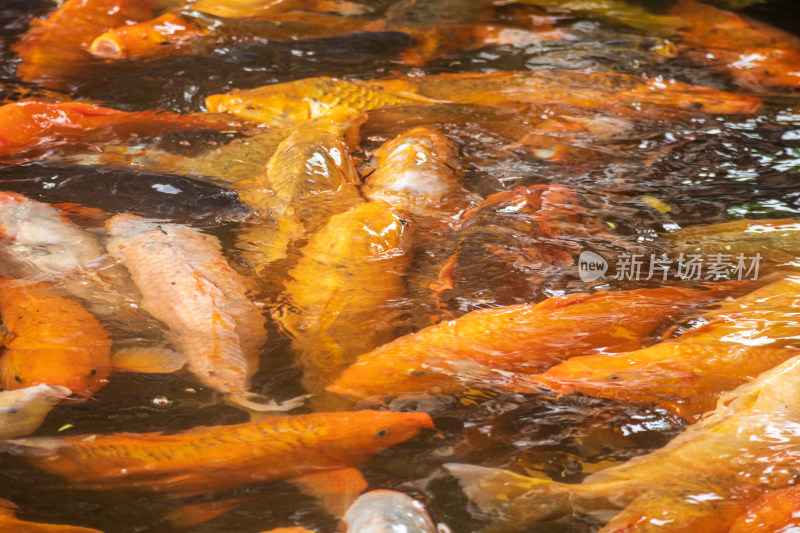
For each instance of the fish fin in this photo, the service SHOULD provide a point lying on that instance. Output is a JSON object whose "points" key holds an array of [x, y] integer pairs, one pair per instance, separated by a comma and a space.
{"points": [[38, 446], [147, 360], [259, 403], [5, 504], [197, 513], [83, 216], [501, 493], [334, 489]]}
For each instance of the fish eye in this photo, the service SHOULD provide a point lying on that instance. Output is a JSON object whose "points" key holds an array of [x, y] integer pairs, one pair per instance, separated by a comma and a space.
{"points": [[416, 372], [9, 410], [93, 372], [18, 379], [381, 432]]}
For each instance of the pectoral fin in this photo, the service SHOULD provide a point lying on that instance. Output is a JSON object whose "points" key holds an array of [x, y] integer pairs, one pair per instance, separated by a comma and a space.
{"points": [[147, 360], [334, 489]]}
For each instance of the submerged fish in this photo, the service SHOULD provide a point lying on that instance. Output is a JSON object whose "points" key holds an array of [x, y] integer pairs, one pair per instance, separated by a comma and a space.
{"points": [[776, 241], [774, 512], [387, 511], [488, 344], [301, 448], [51, 339], [623, 93], [187, 283], [701, 481], [309, 178], [58, 45], [618, 11], [754, 54], [339, 299], [22, 411], [32, 124], [686, 375], [9, 522]]}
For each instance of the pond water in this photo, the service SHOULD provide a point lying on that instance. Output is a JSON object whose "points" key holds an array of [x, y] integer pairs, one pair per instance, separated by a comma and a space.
{"points": [[654, 174]]}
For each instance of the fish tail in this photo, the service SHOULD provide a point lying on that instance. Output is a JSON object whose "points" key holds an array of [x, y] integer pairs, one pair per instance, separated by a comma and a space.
{"points": [[257, 402], [514, 499]]}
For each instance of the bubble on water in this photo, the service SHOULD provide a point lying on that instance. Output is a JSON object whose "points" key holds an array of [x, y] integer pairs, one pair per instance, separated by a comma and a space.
{"points": [[162, 401]]}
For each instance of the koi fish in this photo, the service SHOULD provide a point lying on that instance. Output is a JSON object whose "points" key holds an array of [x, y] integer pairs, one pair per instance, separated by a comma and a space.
{"points": [[270, 8], [618, 11], [56, 46], [22, 411], [776, 241], [187, 283], [9, 522], [51, 339], [386, 511], [606, 91], [340, 293], [775, 511], [287, 104], [192, 33], [418, 172], [309, 178], [755, 55], [488, 344], [525, 238], [38, 241], [686, 375], [301, 448], [32, 124], [701, 481]]}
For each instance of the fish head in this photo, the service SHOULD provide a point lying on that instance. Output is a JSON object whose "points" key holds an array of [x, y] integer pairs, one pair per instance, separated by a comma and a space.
{"points": [[354, 437], [375, 378], [272, 106], [19, 372], [22, 411]]}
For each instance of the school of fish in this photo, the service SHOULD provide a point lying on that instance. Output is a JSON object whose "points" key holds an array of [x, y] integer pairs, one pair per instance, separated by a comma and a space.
{"points": [[390, 255]]}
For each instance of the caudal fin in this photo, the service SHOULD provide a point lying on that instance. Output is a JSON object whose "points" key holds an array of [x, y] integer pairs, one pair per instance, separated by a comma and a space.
{"points": [[513, 499], [259, 403]]}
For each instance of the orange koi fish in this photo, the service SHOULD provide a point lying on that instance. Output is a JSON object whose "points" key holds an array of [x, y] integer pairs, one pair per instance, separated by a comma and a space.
{"points": [[56, 46], [341, 290], [301, 448], [27, 125], [192, 33], [687, 374], [51, 339], [755, 55], [288, 104], [776, 511], [701, 481], [309, 178], [524, 238], [9, 522], [418, 172], [487, 344], [615, 92], [187, 283], [777, 241]]}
